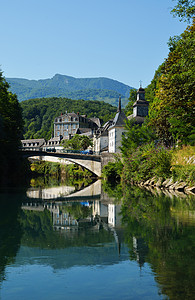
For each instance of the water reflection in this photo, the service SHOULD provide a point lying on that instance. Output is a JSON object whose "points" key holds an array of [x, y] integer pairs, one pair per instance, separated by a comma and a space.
{"points": [[66, 192], [162, 230], [87, 208], [102, 225]]}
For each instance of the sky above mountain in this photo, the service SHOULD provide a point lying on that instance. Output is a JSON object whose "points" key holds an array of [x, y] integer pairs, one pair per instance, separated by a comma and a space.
{"points": [[125, 40]]}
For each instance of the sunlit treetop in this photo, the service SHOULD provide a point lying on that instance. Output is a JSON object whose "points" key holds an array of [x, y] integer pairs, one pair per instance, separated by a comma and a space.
{"points": [[185, 10]]}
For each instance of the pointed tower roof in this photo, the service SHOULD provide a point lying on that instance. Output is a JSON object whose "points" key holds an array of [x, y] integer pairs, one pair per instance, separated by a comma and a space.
{"points": [[119, 104], [120, 117]]}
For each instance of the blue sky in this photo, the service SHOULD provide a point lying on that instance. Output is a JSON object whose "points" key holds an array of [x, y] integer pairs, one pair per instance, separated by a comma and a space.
{"points": [[125, 40]]}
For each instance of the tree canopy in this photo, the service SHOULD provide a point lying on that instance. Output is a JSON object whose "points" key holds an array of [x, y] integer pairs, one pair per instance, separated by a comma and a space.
{"points": [[11, 124], [78, 142], [172, 109], [184, 9], [10, 115]]}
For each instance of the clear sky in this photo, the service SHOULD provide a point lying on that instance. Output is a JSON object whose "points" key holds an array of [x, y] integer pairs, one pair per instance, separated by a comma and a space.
{"points": [[125, 40]]}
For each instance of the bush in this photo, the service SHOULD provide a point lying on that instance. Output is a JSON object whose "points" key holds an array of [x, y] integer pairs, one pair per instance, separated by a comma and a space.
{"points": [[146, 162], [112, 171], [184, 173]]}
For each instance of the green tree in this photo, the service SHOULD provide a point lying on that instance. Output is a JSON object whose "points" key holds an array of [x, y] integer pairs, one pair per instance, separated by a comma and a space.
{"points": [[184, 9], [132, 99], [172, 109], [10, 115], [11, 125], [135, 136], [152, 87], [78, 142]]}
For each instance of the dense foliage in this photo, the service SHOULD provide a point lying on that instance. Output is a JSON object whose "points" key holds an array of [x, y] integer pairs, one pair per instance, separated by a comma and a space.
{"points": [[10, 130], [99, 89], [78, 142], [112, 171], [135, 136], [184, 9], [39, 114], [172, 110], [146, 162]]}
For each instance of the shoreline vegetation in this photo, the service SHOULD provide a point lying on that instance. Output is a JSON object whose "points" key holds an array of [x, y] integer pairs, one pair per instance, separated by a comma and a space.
{"points": [[155, 166], [161, 152]]}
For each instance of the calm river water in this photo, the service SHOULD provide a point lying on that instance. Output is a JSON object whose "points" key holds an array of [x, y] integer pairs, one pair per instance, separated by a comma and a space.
{"points": [[97, 242]]}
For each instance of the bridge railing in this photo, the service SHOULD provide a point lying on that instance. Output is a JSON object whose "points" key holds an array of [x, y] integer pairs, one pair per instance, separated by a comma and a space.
{"points": [[53, 149]]}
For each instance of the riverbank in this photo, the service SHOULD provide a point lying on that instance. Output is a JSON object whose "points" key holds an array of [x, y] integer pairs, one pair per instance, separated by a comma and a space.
{"points": [[169, 184], [172, 169]]}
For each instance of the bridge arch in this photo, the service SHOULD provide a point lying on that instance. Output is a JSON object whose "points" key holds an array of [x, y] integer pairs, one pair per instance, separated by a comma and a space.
{"points": [[90, 162]]}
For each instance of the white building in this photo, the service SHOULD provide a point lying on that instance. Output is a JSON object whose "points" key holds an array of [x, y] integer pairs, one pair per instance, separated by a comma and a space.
{"points": [[116, 130], [100, 138]]}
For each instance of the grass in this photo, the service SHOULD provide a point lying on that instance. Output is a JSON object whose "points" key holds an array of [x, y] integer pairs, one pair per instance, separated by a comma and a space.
{"points": [[184, 156]]}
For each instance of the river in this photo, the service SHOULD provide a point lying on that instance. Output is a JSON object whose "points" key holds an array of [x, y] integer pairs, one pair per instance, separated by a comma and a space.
{"points": [[96, 242]]}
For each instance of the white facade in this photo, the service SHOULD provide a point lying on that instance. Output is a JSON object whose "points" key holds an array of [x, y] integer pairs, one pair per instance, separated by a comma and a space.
{"points": [[115, 139], [99, 143]]}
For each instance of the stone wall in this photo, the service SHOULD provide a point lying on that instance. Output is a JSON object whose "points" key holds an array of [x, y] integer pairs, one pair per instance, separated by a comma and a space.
{"points": [[106, 157]]}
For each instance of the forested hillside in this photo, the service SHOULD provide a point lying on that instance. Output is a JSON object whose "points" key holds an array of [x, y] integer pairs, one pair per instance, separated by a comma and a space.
{"points": [[39, 114], [99, 89]]}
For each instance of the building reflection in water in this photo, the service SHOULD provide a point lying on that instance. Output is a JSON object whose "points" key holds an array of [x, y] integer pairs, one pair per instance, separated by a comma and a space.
{"points": [[101, 209]]}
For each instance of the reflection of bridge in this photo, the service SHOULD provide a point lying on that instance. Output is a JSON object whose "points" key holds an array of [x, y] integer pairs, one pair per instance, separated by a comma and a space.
{"points": [[90, 162], [102, 207], [63, 193]]}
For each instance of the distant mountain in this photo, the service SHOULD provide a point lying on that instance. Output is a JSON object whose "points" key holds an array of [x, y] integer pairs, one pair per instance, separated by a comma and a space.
{"points": [[101, 89]]}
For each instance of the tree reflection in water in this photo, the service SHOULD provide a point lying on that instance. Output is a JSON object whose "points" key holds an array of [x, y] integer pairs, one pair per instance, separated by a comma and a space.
{"points": [[159, 230], [10, 230]]}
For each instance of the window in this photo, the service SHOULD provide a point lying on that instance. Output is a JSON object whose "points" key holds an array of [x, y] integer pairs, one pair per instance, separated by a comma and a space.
{"points": [[58, 133]]}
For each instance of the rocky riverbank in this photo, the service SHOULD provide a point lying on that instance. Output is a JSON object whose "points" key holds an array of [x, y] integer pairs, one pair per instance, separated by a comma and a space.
{"points": [[169, 184]]}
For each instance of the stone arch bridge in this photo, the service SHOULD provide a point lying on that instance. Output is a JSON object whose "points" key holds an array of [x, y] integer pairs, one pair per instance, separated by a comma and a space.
{"points": [[93, 163]]}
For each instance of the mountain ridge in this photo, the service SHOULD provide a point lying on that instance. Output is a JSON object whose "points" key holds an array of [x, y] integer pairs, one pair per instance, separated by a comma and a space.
{"points": [[96, 88]]}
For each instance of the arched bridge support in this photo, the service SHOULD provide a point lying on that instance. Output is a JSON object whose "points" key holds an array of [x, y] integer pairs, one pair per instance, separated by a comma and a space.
{"points": [[90, 162]]}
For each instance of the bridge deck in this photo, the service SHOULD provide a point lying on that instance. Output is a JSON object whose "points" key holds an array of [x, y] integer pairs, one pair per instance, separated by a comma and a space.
{"points": [[29, 153]]}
